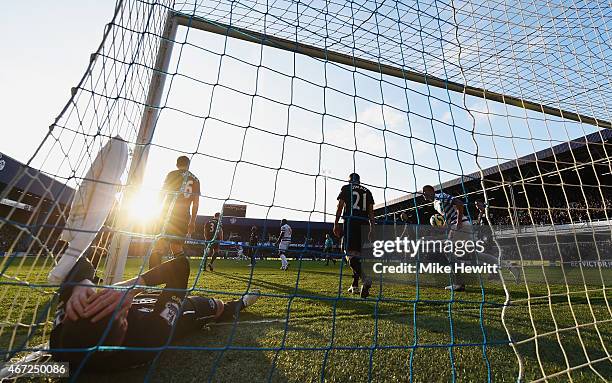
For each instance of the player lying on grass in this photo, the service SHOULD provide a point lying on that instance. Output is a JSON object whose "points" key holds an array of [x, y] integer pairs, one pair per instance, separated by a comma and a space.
{"points": [[123, 317], [356, 207]]}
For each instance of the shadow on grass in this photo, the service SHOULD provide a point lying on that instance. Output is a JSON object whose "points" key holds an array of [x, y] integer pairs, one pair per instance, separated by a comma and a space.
{"points": [[212, 354], [433, 318]]}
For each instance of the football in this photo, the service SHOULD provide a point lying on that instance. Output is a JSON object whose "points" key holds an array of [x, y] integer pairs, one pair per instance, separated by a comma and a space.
{"points": [[437, 220]]}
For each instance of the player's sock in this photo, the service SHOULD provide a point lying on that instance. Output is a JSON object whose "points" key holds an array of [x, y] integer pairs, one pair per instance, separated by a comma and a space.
{"points": [[355, 264], [232, 308], [365, 288], [455, 287], [210, 263], [251, 297], [284, 262]]}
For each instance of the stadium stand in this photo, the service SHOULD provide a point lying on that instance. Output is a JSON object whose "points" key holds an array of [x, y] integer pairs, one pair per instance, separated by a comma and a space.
{"points": [[533, 192], [516, 187], [516, 181], [47, 200], [307, 236]]}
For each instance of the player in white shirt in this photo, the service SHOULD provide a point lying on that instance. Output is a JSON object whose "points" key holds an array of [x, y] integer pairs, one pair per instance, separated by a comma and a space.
{"points": [[460, 229], [283, 242]]}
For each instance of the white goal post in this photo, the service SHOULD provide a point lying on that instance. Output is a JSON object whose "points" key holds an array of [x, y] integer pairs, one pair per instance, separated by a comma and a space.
{"points": [[120, 244]]}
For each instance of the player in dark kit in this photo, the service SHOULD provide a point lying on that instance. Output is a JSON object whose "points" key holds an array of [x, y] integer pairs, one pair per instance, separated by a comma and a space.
{"points": [[180, 208], [213, 231], [253, 242], [356, 207], [328, 248], [122, 317]]}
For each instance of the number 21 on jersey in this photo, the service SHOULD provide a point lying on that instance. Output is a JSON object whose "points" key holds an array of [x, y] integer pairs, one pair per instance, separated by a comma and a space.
{"points": [[359, 198]]}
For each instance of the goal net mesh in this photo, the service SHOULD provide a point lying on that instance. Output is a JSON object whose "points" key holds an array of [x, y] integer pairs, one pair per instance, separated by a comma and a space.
{"points": [[276, 103]]}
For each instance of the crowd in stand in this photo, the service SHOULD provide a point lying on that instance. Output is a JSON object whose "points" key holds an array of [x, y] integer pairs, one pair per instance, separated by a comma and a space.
{"points": [[560, 212], [9, 236]]}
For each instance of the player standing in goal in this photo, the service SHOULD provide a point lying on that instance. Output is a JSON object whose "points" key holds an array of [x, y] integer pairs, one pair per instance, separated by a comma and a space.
{"points": [[356, 206], [181, 203], [213, 230], [283, 242]]}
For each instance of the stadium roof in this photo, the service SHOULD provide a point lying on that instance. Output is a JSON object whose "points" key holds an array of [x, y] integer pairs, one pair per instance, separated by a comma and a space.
{"points": [[34, 181], [600, 137]]}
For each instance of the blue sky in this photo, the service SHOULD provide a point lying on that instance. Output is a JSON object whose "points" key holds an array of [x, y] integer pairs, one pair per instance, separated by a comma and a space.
{"points": [[243, 111], [46, 47]]}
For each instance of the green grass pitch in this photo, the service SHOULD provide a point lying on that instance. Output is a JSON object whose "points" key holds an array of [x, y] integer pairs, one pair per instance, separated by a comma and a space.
{"points": [[306, 322]]}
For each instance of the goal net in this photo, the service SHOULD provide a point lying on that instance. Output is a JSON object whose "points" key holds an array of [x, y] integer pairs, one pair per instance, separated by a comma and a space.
{"points": [[275, 104]]}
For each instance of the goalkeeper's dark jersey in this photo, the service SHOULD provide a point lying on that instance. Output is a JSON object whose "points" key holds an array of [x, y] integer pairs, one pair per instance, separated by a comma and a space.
{"points": [[153, 320], [186, 187]]}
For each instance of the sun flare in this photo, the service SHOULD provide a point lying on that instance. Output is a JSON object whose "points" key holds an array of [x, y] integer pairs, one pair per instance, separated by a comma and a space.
{"points": [[144, 206]]}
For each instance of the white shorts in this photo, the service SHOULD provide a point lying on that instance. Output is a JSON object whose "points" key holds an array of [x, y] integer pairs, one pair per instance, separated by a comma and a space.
{"points": [[283, 246]]}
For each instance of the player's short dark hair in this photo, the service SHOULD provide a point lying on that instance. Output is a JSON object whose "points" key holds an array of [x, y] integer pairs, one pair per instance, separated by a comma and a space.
{"points": [[254, 228], [182, 161], [284, 222], [428, 187], [217, 215], [354, 178]]}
